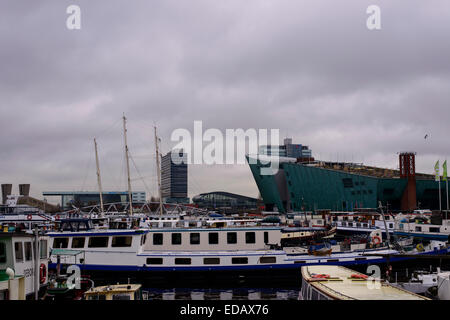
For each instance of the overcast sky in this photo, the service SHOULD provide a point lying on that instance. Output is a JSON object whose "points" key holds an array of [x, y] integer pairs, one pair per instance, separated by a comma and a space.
{"points": [[311, 69]]}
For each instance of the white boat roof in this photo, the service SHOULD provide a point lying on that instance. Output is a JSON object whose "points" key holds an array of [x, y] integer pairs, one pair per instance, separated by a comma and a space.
{"points": [[342, 288]]}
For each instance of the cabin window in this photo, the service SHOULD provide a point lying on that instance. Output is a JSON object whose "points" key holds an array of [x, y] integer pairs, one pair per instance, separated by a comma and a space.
{"points": [[176, 238], [121, 296], [98, 242], [97, 297], [154, 261], [182, 260], [43, 249], [268, 260], [2, 252], [195, 238], [78, 242], [391, 225], [434, 229], [28, 251], [121, 241], [211, 260], [157, 239], [266, 237], [358, 224], [250, 237], [418, 228], [213, 238], [60, 243], [350, 224], [18, 250], [231, 237], [240, 260]]}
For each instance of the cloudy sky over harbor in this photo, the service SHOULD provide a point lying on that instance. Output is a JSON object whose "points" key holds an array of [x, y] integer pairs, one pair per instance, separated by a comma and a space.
{"points": [[311, 69]]}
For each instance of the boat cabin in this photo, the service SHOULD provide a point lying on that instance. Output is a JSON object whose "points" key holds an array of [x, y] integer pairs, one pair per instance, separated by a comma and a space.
{"points": [[115, 292]]}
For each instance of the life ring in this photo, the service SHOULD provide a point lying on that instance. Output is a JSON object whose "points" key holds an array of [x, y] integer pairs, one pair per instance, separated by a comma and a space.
{"points": [[29, 217], [419, 247], [42, 273], [378, 240]]}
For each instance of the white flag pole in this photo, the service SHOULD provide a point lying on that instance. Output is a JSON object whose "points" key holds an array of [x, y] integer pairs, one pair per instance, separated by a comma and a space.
{"points": [[440, 205]]}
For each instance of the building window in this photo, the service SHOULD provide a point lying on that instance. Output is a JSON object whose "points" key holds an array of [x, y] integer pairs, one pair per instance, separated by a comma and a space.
{"points": [[348, 182], [98, 242], [78, 242], [240, 260], [213, 238], [60, 243], [231, 237], [211, 260], [250, 237], [195, 238], [154, 261], [43, 249], [182, 260], [176, 238], [268, 260], [121, 241], [18, 250], [370, 191], [157, 239], [28, 251]]}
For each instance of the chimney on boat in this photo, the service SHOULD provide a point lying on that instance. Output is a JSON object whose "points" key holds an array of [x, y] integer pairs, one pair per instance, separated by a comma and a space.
{"points": [[6, 191], [24, 189], [408, 171]]}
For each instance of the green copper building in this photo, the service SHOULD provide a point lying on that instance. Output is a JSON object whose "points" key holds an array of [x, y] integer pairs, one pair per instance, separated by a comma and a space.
{"points": [[338, 186]]}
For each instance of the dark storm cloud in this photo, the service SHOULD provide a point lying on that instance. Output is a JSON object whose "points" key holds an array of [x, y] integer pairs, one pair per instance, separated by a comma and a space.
{"points": [[311, 69]]}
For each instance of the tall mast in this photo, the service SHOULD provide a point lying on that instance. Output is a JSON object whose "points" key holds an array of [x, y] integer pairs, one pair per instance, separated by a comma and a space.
{"points": [[158, 170], [99, 179], [128, 163]]}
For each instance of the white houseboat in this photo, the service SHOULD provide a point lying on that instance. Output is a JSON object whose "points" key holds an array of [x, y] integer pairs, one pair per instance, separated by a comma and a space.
{"points": [[230, 250]]}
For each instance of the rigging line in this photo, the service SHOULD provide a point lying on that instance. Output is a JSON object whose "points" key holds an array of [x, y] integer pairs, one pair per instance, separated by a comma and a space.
{"points": [[108, 128], [143, 181]]}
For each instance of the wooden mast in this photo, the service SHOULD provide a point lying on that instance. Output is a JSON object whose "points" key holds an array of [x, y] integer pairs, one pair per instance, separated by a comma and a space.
{"points": [[128, 164], [99, 179], [158, 170]]}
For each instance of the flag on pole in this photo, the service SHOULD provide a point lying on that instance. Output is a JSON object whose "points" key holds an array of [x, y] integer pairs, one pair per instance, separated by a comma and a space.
{"points": [[436, 170], [444, 172]]}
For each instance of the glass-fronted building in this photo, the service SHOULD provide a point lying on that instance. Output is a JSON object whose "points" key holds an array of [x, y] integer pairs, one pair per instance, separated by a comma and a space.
{"points": [[89, 198], [174, 178], [220, 199]]}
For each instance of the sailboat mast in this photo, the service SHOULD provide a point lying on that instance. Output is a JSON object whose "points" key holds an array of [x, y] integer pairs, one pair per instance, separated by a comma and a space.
{"points": [[158, 170], [99, 179], [127, 158]]}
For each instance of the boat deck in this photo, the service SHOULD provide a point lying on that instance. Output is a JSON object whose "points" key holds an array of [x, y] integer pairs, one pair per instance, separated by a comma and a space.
{"points": [[341, 286]]}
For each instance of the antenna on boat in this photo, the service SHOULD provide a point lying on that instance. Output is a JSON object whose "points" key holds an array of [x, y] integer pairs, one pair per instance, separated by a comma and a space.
{"points": [[158, 170], [99, 179], [128, 163]]}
